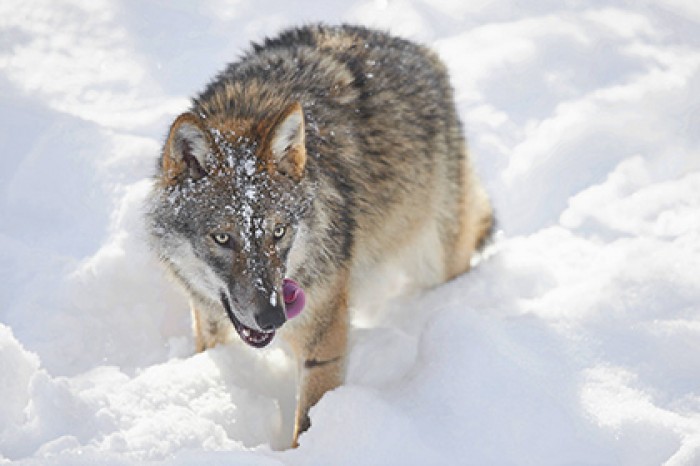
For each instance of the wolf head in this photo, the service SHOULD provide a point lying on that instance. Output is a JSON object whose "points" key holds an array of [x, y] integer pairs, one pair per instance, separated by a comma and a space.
{"points": [[227, 207]]}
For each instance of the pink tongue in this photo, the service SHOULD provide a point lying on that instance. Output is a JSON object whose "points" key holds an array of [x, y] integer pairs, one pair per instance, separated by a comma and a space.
{"points": [[294, 298]]}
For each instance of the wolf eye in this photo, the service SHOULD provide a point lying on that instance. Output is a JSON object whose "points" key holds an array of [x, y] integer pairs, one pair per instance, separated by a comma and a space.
{"points": [[279, 232], [222, 239]]}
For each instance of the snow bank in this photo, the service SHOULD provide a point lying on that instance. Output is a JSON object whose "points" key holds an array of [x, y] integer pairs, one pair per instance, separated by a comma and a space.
{"points": [[17, 366], [574, 341]]}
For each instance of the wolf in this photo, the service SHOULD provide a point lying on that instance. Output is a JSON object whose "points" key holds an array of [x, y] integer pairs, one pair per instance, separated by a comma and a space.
{"points": [[318, 157]]}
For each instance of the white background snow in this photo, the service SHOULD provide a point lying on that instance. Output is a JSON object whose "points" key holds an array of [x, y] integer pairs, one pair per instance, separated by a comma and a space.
{"points": [[575, 341]]}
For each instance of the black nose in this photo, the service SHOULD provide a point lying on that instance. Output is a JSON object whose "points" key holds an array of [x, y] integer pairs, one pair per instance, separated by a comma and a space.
{"points": [[270, 318]]}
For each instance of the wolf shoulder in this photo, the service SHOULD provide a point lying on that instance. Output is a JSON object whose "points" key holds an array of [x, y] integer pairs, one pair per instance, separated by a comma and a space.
{"points": [[346, 68]]}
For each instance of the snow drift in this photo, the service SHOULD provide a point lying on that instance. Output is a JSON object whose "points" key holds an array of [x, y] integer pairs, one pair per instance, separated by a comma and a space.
{"points": [[575, 340]]}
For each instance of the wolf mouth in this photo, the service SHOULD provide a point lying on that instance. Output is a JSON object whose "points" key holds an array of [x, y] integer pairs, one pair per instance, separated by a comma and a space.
{"points": [[254, 338]]}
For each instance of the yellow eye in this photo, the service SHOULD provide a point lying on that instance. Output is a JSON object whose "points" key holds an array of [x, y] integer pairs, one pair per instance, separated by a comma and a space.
{"points": [[279, 232], [222, 239]]}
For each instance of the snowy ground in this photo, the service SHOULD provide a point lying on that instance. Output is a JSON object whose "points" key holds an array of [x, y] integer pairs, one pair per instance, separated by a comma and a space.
{"points": [[576, 341]]}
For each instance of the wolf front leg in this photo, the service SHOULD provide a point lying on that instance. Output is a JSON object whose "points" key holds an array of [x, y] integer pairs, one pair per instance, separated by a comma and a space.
{"points": [[207, 331], [321, 358]]}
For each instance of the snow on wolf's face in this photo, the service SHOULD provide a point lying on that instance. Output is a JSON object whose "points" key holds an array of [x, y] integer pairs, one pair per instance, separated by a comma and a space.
{"points": [[226, 230]]}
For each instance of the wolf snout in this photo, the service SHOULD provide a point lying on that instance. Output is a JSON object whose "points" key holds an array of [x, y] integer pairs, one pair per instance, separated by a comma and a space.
{"points": [[270, 317]]}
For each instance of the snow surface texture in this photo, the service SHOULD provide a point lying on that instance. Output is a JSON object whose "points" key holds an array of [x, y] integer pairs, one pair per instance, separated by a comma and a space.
{"points": [[575, 341]]}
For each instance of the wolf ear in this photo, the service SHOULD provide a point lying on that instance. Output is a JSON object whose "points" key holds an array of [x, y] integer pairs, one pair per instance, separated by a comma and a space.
{"points": [[286, 142], [185, 150]]}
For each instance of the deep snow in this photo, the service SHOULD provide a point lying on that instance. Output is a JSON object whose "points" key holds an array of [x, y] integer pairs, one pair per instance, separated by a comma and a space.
{"points": [[576, 339]]}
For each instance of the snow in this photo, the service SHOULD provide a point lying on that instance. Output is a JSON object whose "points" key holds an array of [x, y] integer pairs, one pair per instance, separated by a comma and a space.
{"points": [[575, 340]]}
